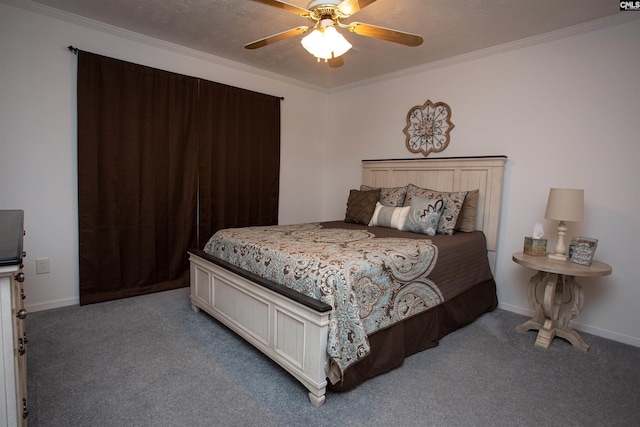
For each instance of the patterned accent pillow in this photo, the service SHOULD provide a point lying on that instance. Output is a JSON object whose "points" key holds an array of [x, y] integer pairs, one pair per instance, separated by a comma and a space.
{"points": [[467, 218], [393, 197], [424, 215], [385, 216], [360, 206], [453, 201]]}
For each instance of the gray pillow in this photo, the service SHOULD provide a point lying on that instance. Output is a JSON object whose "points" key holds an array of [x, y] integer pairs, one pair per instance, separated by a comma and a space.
{"points": [[424, 215], [453, 201], [393, 197]]}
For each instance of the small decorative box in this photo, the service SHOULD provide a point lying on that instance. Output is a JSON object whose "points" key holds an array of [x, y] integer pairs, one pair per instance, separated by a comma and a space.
{"points": [[535, 247]]}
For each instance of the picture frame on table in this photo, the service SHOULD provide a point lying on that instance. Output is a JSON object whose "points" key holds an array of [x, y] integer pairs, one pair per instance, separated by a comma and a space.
{"points": [[584, 250]]}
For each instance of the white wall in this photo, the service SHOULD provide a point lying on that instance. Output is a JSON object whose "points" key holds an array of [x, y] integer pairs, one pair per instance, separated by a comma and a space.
{"points": [[38, 135], [565, 113]]}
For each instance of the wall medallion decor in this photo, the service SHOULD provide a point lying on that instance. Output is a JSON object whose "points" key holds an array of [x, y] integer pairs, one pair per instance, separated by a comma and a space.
{"points": [[428, 127]]}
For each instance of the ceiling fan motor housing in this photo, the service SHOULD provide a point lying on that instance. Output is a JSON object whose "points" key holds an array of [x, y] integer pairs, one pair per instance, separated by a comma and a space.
{"points": [[321, 9]]}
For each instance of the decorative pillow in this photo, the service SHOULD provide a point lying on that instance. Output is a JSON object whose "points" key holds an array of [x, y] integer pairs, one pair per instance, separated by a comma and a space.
{"points": [[360, 206], [424, 215], [393, 197], [385, 216], [452, 205], [467, 218]]}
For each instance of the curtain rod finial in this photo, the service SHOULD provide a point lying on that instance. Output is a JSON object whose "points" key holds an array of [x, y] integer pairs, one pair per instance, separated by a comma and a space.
{"points": [[74, 50]]}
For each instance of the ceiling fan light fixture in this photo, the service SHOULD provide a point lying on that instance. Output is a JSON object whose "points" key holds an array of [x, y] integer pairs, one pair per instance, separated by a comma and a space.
{"points": [[326, 43]]}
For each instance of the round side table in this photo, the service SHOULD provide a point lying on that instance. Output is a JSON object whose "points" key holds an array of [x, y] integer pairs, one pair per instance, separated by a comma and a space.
{"points": [[557, 277]]}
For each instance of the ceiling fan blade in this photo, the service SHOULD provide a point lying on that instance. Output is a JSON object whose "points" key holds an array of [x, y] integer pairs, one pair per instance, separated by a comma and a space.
{"points": [[336, 62], [387, 34], [285, 6], [349, 7], [277, 37]]}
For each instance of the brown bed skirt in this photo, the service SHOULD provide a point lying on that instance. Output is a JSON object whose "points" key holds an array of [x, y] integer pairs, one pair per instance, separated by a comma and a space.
{"points": [[390, 346]]}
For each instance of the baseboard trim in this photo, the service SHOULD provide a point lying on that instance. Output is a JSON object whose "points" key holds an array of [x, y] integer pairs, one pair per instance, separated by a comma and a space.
{"points": [[48, 305], [582, 327], [604, 333]]}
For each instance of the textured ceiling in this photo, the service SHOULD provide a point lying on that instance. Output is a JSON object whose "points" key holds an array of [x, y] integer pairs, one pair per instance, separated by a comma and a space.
{"points": [[449, 28]]}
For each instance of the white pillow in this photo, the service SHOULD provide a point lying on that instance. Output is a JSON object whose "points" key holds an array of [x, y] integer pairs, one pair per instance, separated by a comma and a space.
{"points": [[389, 217]]}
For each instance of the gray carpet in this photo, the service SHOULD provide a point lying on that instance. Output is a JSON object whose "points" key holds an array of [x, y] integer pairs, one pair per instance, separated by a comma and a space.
{"points": [[151, 361]]}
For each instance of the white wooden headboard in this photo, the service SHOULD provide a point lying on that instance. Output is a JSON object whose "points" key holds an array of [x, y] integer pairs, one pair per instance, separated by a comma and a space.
{"points": [[449, 174]]}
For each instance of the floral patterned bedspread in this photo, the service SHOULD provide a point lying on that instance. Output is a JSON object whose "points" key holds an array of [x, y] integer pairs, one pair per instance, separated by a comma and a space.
{"points": [[369, 282]]}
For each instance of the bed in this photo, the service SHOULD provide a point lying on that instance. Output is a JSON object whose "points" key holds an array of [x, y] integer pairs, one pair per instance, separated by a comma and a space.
{"points": [[418, 293]]}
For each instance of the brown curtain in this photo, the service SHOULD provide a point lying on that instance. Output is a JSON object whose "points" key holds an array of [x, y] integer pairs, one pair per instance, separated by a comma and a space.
{"points": [[240, 166], [150, 145], [137, 178]]}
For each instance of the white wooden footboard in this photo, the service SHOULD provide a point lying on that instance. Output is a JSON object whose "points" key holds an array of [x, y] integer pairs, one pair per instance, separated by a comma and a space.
{"points": [[291, 333]]}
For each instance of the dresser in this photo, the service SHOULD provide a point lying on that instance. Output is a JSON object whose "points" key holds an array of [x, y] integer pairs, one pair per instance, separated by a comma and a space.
{"points": [[13, 358]]}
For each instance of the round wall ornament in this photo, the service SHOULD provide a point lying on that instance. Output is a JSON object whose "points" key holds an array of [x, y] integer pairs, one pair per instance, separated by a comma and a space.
{"points": [[428, 127]]}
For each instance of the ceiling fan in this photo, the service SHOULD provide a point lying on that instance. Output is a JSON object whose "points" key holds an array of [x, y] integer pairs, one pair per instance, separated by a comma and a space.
{"points": [[324, 42]]}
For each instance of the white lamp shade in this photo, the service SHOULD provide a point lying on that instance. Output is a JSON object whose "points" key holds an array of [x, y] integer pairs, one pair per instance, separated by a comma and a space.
{"points": [[326, 43], [565, 204], [312, 42]]}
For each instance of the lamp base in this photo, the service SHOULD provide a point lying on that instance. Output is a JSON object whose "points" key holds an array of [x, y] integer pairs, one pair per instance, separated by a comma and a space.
{"points": [[558, 251]]}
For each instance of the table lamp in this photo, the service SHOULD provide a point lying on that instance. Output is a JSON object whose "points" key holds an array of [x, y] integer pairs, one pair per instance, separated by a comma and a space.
{"points": [[564, 204]]}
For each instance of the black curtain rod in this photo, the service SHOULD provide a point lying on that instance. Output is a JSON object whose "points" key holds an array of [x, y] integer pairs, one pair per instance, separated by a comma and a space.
{"points": [[74, 50]]}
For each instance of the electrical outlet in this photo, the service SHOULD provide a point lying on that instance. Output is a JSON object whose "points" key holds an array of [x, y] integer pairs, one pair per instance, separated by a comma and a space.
{"points": [[42, 265]]}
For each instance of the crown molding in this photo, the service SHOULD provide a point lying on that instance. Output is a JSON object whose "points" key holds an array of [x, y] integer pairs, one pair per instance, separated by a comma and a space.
{"points": [[612, 20], [150, 41], [563, 33]]}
